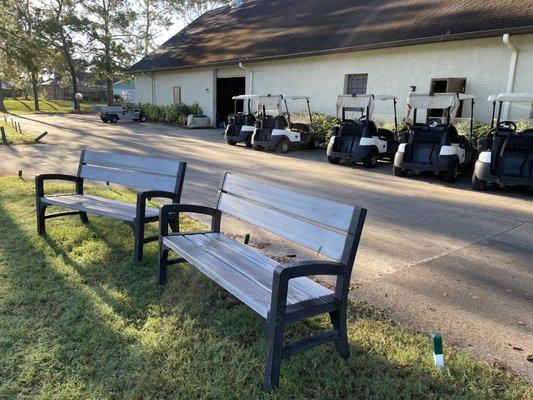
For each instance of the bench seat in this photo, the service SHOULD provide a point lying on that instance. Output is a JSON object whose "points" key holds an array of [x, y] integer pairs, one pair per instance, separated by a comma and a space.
{"points": [[97, 205], [243, 272]]}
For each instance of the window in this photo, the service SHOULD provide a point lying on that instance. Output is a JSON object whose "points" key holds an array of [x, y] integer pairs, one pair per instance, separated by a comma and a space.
{"points": [[356, 83], [127, 95], [176, 91]]}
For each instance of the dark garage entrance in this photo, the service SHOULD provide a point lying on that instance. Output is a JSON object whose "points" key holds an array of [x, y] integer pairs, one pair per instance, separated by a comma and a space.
{"points": [[226, 89]]}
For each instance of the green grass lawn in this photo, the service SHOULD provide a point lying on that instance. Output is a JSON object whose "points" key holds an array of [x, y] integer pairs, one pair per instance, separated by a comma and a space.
{"points": [[13, 136], [19, 106], [80, 320]]}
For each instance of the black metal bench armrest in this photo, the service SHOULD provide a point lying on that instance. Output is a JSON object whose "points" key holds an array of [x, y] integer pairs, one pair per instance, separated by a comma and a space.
{"points": [[169, 212], [151, 194], [307, 268], [39, 182], [284, 273]]}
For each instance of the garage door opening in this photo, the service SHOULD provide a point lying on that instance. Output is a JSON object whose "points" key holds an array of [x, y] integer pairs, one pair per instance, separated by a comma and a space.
{"points": [[226, 89]]}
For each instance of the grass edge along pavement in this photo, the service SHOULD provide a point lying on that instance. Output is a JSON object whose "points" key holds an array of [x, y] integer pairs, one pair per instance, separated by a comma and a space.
{"points": [[21, 106], [13, 136], [79, 319]]}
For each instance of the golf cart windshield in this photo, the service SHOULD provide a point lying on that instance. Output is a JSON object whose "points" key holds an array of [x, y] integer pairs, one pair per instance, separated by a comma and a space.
{"points": [[247, 103], [270, 105], [300, 112]]}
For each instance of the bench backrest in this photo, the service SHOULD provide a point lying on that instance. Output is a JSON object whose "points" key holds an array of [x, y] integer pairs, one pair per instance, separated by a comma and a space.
{"points": [[132, 171], [324, 226]]}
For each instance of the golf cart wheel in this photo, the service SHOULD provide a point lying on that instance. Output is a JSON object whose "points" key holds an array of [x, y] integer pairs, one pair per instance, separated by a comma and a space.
{"points": [[397, 171], [451, 175], [479, 185], [334, 160], [314, 144], [142, 118], [258, 148], [231, 142], [104, 119], [283, 146], [371, 161], [113, 119], [248, 141]]}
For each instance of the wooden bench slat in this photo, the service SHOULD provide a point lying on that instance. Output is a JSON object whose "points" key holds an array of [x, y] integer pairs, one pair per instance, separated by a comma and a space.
{"points": [[251, 294], [134, 179], [97, 205], [317, 238], [316, 209], [257, 266], [150, 165]]}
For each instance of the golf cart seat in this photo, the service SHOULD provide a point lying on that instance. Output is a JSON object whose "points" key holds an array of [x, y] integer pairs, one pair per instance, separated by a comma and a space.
{"points": [[281, 122], [425, 142], [516, 155], [249, 119]]}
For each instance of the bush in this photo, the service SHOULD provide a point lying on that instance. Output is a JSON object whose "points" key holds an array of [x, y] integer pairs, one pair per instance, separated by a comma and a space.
{"points": [[322, 125], [172, 114]]}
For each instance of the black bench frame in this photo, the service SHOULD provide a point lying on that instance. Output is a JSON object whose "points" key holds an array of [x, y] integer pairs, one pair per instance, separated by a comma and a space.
{"points": [[137, 225], [280, 314]]}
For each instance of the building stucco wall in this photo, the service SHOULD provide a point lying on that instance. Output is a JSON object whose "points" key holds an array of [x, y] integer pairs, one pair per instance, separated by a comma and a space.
{"points": [[483, 62]]}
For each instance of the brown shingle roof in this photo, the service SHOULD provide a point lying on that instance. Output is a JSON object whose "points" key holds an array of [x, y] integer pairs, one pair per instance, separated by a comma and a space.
{"points": [[270, 29]]}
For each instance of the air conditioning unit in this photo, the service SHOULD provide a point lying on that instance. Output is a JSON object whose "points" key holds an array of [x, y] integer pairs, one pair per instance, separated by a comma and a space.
{"points": [[198, 121]]}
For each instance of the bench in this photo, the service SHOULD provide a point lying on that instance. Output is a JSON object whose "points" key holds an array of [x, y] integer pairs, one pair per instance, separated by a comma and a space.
{"points": [[154, 177], [278, 293]]}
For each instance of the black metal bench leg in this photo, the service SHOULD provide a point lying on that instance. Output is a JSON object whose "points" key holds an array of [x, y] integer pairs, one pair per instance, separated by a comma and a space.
{"points": [[274, 352], [162, 266], [84, 218], [139, 240], [338, 319], [41, 211]]}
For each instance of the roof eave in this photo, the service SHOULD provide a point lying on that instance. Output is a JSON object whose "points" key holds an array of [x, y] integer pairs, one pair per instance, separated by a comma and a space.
{"points": [[373, 46]]}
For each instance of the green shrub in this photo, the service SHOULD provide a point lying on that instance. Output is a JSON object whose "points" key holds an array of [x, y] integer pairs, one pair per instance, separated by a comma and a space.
{"points": [[172, 114], [322, 125]]}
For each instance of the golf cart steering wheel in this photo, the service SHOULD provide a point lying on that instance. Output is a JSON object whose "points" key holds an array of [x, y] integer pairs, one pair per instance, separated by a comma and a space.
{"points": [[507, 126], [362, 119]]}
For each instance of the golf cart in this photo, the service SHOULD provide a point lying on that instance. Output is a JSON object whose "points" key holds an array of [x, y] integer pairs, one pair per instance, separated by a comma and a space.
{"points": [[114, 113], [361, 140], [241, 125], [434, 146], [506, 155], [278, 129]]}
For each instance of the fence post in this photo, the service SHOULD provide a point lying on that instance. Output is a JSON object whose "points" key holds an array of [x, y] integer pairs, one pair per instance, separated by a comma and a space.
{"points": [[3, 134], [20, 129]]}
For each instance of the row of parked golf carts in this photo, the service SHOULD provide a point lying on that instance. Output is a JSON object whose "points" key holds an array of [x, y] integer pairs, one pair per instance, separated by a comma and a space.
{"points": [[431, 146]]}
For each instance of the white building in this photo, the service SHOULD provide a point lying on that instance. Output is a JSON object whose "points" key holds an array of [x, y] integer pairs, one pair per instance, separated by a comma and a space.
{"points": [[324, 48]]}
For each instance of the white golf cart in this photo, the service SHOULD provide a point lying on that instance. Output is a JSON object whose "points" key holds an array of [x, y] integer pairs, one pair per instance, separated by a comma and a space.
{"points": [[361, 140], [506, 155], [278, 129], [434, 146], [241, 125], [121, 112]]}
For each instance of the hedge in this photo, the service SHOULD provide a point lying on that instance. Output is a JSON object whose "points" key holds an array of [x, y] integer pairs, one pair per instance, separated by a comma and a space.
{"points": [[173, 114]]}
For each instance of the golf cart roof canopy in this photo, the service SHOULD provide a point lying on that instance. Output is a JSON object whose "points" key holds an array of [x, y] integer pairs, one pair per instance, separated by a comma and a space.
{"points": [[355, 101], [492, 98], [246, 97], [441, 101], [346, 101], [516, 97], [294, 97]]}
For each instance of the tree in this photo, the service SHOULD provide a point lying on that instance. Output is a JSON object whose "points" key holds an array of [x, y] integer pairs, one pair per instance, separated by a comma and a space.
{"points": [[60, 25], [192, 9], [153, 18], [20, 47], [110, 38]]}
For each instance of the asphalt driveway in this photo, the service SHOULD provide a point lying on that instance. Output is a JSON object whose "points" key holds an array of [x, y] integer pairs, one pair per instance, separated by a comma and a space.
{"points": [[433, 255]]}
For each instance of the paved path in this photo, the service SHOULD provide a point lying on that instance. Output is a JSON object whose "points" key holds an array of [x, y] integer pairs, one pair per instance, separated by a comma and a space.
{"points": [[435, 256]]}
